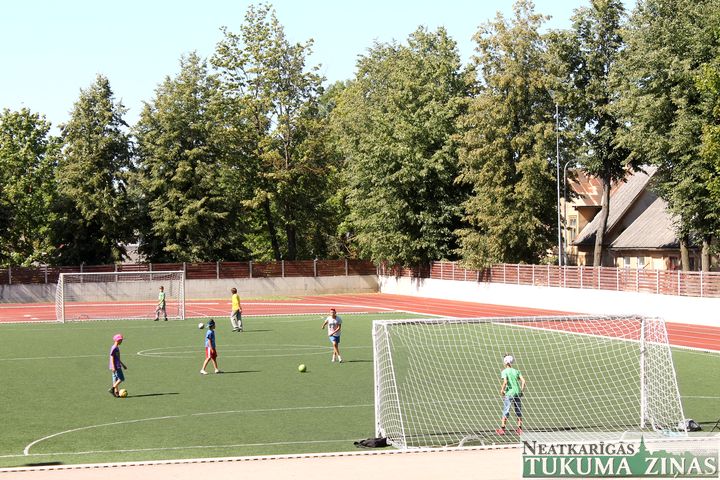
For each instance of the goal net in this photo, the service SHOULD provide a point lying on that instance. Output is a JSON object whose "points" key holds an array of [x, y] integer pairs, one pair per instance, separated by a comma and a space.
{"points": [[437, 381], [119, 295]]}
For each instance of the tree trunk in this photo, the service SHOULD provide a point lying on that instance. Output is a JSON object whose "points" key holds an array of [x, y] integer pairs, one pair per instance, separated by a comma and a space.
{"points": [[604, 214], [290, 233], [684, 254], [272, 232], [705, 258]]}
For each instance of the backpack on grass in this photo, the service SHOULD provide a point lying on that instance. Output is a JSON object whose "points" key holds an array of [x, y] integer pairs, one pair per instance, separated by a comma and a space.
{"points": [[372, 443]]}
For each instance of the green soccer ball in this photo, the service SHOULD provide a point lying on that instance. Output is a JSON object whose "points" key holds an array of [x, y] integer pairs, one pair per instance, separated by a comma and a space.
{"points": [[302, 368]]}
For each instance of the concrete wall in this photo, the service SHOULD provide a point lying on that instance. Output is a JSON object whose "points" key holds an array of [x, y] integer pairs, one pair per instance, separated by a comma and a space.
{"points": [[202, 289], [42, 293], [698, 311], [273, 286]]}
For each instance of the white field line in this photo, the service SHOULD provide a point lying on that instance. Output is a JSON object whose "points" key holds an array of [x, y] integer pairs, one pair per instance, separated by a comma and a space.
{"points": [[167, 352], [26, 450], [190, 447], [183, 461]]}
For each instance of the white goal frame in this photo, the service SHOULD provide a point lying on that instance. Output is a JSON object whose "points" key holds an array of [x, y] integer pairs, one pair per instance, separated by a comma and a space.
{"points": [[114, 291], [426, 377]]}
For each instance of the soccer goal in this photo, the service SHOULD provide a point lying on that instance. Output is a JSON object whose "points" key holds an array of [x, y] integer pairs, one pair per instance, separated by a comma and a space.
{"points": [[118, 295], [437, 381]]}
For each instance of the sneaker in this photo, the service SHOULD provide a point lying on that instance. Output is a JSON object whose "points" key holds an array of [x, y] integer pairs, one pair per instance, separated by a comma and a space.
{"points": [[500, 431], [166, 319], [203, 372], [111, 391], [156, 320], [236, 329], [218, 371], [518, 430], [333, 360], [339, 360]]}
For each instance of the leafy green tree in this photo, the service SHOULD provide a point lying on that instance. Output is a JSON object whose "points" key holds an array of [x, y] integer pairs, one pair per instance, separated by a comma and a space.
{"points": [[92, 206], [273, 104], [395, 124], [586, 55], [508, 145], [187, 212], [708, 83], [668, 42], [27, 160]]}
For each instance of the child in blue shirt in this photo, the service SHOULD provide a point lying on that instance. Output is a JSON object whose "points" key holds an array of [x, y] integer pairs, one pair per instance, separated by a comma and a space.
{"points": [[210, 350]]}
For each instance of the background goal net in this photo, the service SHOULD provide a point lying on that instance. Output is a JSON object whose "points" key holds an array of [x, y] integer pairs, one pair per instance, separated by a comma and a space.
{"points": [[437, 382], [120, 295]]}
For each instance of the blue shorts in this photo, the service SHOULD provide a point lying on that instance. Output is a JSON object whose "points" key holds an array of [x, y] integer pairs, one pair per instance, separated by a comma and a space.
{"points": [[118, 375], [516, 403], [334, 339]]}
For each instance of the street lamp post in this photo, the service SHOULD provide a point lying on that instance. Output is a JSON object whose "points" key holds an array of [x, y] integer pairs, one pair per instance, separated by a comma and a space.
{"points": [[565, 197], [557, 176]]}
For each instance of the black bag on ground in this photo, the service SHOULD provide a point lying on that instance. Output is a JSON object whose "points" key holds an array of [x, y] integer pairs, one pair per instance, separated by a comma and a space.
{"points": [[372, 443], [689, 425]]}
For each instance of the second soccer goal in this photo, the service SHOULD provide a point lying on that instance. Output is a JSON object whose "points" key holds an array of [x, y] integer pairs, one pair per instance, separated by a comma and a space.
{"points": [[120, 295], [438, 381]]}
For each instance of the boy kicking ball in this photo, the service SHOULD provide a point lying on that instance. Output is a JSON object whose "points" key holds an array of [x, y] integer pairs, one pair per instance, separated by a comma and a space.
{"points": [[116, 366], [511, 390], [210, 350]]}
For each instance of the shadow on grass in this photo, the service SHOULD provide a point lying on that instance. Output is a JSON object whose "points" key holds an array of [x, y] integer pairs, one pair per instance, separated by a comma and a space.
{"points": [[152, 395], [254, 330], [357, 361], [42, 464]]}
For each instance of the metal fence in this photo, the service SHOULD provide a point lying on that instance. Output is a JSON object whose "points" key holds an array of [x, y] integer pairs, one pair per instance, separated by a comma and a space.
{"points": [[667, 282], [199, 271]]}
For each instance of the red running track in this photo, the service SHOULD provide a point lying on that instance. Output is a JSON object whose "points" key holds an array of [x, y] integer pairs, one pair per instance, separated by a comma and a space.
{"points": [[694, 336]]}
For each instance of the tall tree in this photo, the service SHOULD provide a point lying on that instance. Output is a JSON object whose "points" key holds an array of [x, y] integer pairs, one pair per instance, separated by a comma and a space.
{"points": [[188, 215], [508, 145], [274, 102], [586, 55], [92, 206], [668, 42], [27, 161], [708, 83], [395, 124]]}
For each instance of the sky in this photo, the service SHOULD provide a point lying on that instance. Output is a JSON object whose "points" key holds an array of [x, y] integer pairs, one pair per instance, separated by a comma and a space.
{"points": [[50, 49]]}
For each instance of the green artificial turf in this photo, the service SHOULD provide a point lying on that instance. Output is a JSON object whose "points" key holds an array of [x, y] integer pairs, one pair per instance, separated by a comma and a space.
{"points": [[55, 408]]}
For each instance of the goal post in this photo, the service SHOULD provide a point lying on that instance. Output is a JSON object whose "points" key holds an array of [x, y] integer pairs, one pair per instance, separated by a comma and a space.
{"points": [[437, 381], [119, 295]]}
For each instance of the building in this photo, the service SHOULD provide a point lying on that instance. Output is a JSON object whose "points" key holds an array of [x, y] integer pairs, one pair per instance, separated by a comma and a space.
{"points": [[640, 232]]}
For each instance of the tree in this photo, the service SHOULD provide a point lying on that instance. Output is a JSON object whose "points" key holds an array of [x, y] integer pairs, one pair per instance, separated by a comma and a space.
{"points": [[508, 145], [273, 101], [586, 56], [27, 161], [395, 124], [92, 206], [189, 213], [668, 42], [708, 83]]}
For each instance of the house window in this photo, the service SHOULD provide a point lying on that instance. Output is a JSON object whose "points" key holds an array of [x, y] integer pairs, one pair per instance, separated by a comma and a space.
{"points": [[640, 263], [625, 262], [572, 227]]}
